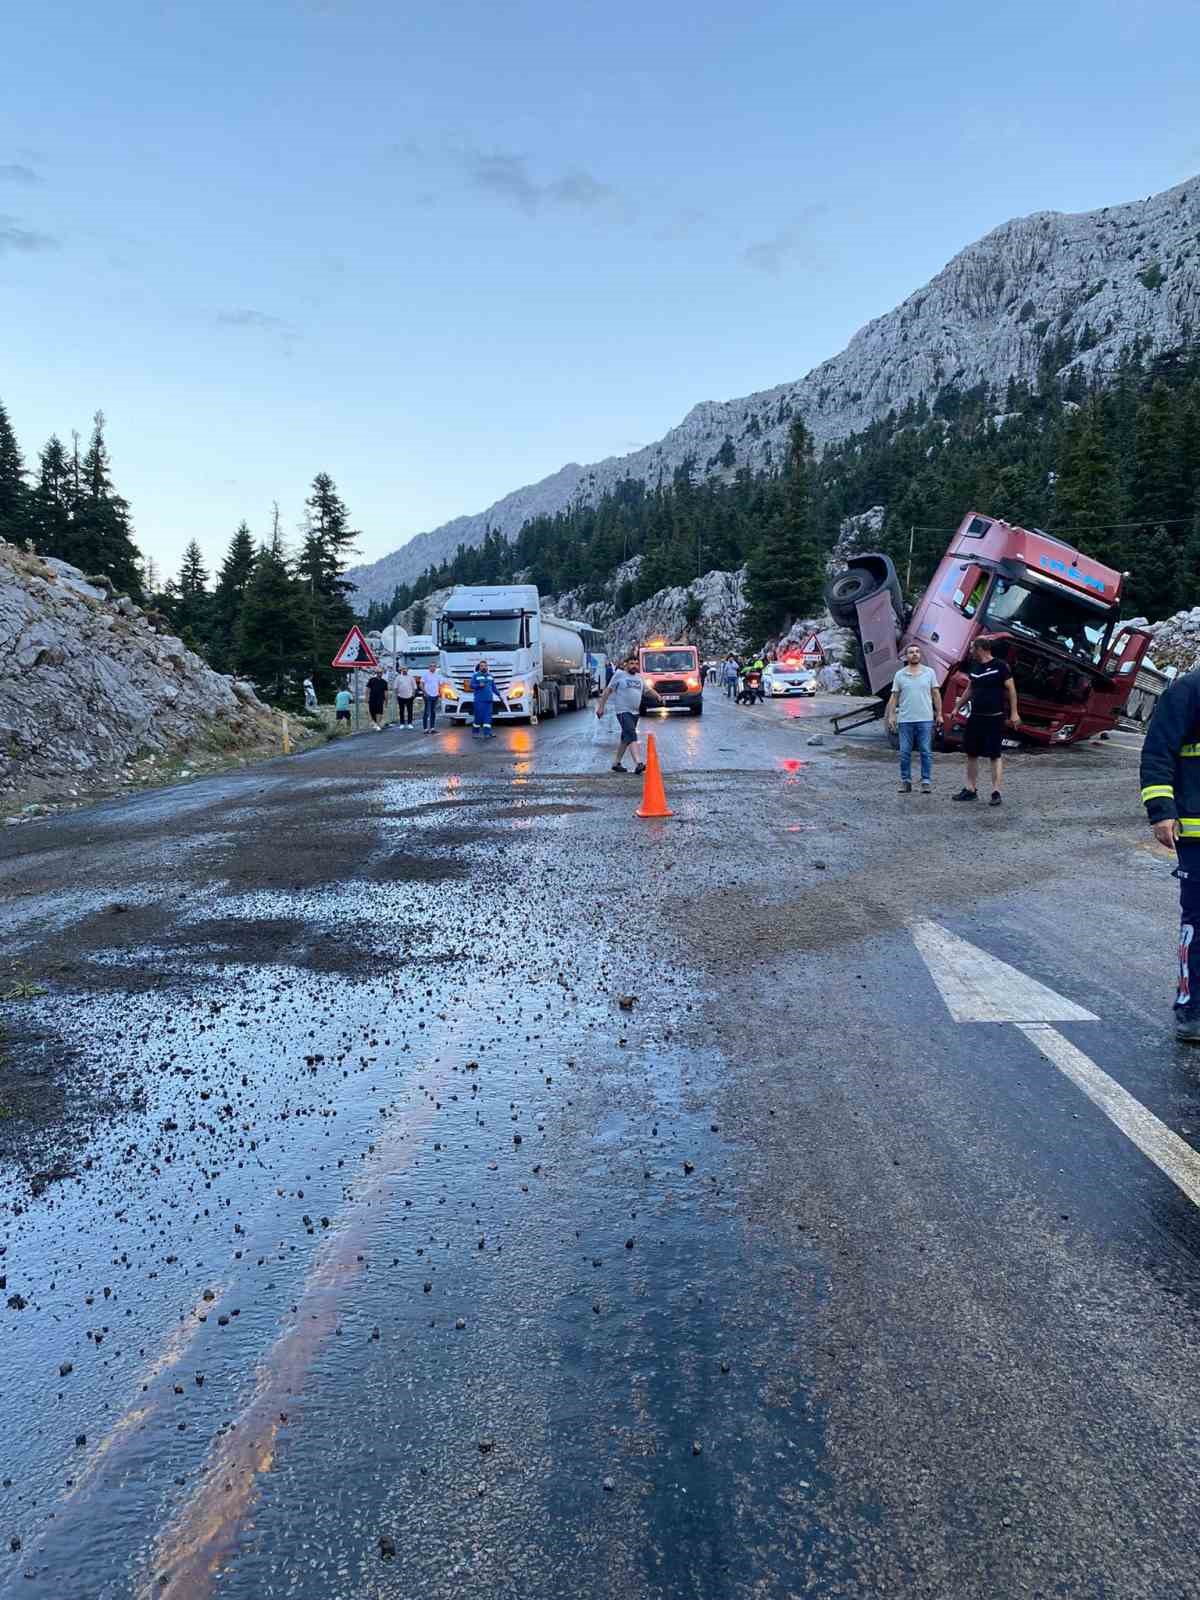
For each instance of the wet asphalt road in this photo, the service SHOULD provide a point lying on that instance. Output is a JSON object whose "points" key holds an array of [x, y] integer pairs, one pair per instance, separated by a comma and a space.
{"points": [[358, 1241]]}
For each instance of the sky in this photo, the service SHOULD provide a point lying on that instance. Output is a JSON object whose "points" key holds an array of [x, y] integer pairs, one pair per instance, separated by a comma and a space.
{"points": [[439, 250]]}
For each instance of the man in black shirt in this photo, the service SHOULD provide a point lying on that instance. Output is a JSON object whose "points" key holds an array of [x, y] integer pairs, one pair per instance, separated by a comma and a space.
{"points": [[991, 690]]}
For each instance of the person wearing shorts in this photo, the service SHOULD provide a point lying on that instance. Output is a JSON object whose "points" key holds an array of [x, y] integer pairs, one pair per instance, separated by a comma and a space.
{"points": [[341, 705], [626, 691], [993, 696]]}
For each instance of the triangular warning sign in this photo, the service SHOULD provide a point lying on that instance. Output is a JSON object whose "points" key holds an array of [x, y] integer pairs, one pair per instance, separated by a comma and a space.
{"points": [[811, 647], [355, 651]]}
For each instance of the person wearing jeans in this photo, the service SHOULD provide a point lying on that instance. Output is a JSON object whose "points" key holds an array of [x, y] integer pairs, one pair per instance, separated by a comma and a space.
{"points": [[431, 688], [913, 709]]}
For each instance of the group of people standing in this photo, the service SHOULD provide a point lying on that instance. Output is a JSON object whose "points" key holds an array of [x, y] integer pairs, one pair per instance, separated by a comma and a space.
{"points": [[405, 686]]}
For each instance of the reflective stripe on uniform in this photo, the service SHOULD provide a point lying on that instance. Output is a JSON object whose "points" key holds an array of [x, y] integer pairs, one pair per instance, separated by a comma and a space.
{"points": [[1190, 750], [1158, 791], [1189, 827]]}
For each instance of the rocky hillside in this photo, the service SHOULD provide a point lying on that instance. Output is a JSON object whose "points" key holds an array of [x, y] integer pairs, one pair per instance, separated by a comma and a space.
{"points": [[87, 686], [1046, 291]]}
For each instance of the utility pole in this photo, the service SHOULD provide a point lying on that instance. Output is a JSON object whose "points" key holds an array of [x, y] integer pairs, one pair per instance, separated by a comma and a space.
{"points": [[912, 534]]}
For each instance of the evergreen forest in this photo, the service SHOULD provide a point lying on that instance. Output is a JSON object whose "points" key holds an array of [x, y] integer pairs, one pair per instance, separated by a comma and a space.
{"points": [[268, 613]]}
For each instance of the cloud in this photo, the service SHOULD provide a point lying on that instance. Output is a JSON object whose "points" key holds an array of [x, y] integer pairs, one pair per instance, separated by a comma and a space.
{"points": [[683, 223], [784, 247], [246, 318], [18, 172], [22, 241], [507, 175]]}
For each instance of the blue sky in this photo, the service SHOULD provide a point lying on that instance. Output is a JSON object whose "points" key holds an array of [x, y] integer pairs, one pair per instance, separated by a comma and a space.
{"points": [[438, 251]]}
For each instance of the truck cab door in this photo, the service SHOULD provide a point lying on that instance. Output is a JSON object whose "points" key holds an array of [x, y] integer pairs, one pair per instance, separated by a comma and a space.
{"points": [[877, 630], [1124, 655]]}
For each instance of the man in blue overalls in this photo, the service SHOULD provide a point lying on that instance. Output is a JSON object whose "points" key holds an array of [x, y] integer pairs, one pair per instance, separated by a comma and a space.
{"points": [[483, 692]]}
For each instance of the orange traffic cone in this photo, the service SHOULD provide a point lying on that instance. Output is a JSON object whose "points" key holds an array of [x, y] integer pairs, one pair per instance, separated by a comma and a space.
{"points": [[654, 796]]}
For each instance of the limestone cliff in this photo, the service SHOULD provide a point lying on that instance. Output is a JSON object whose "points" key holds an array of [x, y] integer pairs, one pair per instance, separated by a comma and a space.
{"points": [[1045, 291]]}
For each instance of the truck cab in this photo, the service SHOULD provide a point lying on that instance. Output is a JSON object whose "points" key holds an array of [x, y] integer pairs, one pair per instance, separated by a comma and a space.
{"points": [[673, 672], [1048, 610]]}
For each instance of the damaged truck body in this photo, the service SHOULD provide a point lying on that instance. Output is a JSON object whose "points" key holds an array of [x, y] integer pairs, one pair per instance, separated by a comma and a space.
{"points": [[1049, 610]]}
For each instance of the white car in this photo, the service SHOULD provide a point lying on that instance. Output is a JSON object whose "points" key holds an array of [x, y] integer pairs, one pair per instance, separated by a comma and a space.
{"points": [[782, 678]]}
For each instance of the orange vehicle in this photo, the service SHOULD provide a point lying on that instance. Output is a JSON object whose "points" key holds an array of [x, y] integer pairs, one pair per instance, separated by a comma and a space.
{"points": [[673, 672]]}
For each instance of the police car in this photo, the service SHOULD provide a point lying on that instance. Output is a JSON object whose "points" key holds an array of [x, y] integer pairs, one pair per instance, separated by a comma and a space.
{"points": [[789, 677]]}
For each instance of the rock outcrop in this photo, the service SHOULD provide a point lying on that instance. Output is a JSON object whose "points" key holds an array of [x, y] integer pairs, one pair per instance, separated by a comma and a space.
{"points": [[1044, 292], [87, 684], [1176, 646]]}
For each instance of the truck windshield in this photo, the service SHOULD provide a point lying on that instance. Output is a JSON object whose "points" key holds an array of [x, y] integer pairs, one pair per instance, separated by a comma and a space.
{"points": [[418, 660], [1035, 613], [482, 633], [668, 661]]}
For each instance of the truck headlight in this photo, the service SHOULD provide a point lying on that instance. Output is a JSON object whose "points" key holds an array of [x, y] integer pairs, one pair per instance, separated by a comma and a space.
{"points": [[1066, 731], [516, 689]]}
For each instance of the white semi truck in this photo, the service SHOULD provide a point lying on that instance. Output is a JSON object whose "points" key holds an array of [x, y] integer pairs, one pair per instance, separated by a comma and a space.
{"points": [[419, 651], [538, 662]]}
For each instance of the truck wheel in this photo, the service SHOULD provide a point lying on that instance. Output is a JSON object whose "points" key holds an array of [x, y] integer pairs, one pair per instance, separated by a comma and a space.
{"points": [[698, 711], [866, 575], [552, 706]]}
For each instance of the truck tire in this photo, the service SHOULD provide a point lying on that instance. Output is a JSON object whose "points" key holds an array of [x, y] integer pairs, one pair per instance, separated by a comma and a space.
{"points": [[698, 711], [864, 576], [552, 704]]}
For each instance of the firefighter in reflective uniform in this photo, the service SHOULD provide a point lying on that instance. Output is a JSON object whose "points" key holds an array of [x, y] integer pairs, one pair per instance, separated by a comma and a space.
{"points": [[1171, 795]]}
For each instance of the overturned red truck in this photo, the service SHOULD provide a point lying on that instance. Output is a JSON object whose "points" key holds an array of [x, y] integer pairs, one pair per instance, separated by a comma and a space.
{"points": [[1050, 611]]}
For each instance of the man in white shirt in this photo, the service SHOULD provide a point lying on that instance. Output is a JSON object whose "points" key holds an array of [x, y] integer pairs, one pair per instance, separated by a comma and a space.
{"points": [[431, 689], [626, 690], [915, 707], [404, 687]]}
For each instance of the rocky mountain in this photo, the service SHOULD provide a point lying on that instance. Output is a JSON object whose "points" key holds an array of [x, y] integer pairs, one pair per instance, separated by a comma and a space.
{"points": [[1044, 292], [87, 685]]}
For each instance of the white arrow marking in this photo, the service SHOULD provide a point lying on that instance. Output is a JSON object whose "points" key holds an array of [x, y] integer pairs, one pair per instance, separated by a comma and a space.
{"points": [[978, 988]]}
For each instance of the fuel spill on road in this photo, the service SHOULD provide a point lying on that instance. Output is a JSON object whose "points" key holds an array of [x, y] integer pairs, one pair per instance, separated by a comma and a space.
{"points": [[415, 1243]]}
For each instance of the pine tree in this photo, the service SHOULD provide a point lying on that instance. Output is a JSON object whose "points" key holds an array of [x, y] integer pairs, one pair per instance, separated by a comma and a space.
{"points": [[228, 598], [50, 503], [1088, 491], [322, 563], [785, 575], [101, 536], [192, 610], [1189, 564], [14, 494], [271, 642]]}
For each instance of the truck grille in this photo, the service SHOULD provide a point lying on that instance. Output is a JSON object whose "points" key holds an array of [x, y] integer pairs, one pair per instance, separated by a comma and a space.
{"points": [[670, 685], [502, 677]]}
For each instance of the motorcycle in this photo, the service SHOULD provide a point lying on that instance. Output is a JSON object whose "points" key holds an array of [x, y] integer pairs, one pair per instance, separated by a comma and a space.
{"points": [[750, 689]]}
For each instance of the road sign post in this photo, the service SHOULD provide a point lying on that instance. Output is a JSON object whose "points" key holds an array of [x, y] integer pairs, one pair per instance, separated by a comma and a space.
{"points": [[354, 654]]}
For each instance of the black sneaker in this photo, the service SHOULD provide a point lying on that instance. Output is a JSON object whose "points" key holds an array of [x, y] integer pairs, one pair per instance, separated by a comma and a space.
{"points": [[905, 788], [997, 798], [965, 794]]}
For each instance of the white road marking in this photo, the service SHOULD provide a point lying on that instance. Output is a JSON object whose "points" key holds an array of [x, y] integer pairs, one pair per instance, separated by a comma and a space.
{"points": [[1153, 1138], [978, 988]]}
